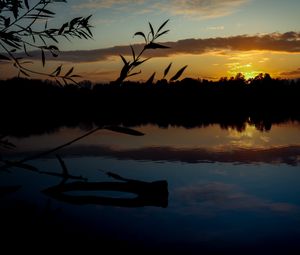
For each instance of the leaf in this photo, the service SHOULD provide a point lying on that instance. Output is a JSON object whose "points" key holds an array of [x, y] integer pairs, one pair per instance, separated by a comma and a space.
{"points": [[23, 72], [115, 176], [73, 22], [137, 63], [3, 57], [58, 82], [89, 31], [141, 34], [26, 4], [161, 27], [25, 50], [63, 166], [162, 33], [133, 53], [12, 44], [124, 130], [124, 60], [153, 45], [15, 8], [43, 57], [151, 30], [51, 36], [151, 79], [61, 30], [69, 72], [54, 50], [178, 74], [57, 71], [167, 70], [45, 11], [6, 22], [21, 165]]}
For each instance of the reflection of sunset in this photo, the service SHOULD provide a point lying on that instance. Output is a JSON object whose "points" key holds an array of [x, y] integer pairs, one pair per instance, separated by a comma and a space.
{"points": [[250, 137]]}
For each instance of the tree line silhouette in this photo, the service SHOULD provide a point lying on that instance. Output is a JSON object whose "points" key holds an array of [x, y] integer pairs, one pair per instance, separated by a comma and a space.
{"points": [[40, 106]]}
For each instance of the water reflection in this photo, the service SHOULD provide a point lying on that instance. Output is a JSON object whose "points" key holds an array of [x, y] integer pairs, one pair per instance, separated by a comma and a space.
{"points": [[227, 192]]}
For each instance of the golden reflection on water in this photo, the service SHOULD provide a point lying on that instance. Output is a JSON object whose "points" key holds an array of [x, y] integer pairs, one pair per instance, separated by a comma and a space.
{"points": [[211, 137]]}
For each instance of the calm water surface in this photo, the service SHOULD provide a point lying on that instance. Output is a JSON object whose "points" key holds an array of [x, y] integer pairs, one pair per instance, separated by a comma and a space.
{"points": [[229, 192]]}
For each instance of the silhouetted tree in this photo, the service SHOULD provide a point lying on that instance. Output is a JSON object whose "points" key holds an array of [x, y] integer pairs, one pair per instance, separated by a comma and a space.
{"points": [[19, 31]]}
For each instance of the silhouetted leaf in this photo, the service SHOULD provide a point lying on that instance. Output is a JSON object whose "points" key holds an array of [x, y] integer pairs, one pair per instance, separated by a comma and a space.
{"points": [[115, 176], [58, 82], [54, 50], [133, 53], [26, 4], [25, 50], [23, 72], [38, 16], [3, 57], [153, 45], [61, 30], [69, 72], [137, 63], [124, 60], [141, 34], [124, 130], [51, 36], [162, 33], [178, 74], [21, 165], [151, 30], [63, 166], [161, 27], [73, 22], [57, 71], [13, 44], [167, 70], [151, 79], [6, 22], [45, 11], [15, 9], [43, 57], [89, 31]]}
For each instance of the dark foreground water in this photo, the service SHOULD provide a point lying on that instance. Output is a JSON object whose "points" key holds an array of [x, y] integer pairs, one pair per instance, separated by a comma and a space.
{"points": [[227, 192]]}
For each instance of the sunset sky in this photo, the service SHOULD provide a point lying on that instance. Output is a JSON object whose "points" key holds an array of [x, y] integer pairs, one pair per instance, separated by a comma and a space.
{"points": [[214, 38]]}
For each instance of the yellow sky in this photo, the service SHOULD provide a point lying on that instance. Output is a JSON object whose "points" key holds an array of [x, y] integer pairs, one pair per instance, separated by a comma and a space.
{"points": [[214, 38]]}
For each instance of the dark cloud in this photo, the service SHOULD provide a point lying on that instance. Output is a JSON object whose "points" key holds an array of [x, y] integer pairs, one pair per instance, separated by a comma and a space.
{"points": [[292, 73], [287, 42], [288, 155]]}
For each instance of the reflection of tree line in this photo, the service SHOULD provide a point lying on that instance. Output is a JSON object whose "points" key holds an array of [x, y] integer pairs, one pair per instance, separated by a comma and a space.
{"points": [[42, 106], [147, 193]]}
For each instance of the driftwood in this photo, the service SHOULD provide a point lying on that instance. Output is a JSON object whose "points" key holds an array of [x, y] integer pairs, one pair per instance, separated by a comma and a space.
{"points": [[148, 193]]}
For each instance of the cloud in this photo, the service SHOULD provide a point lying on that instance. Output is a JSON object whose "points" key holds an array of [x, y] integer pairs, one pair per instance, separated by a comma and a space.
{"points": [[292, 73], [201, 8], [216, 28], [101, 4], [287, 42]]}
